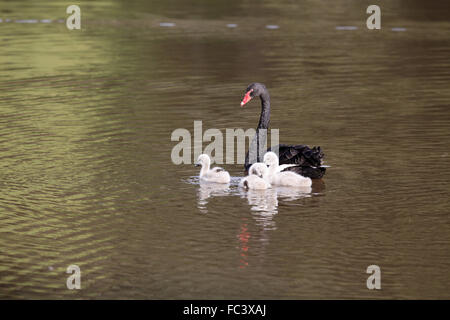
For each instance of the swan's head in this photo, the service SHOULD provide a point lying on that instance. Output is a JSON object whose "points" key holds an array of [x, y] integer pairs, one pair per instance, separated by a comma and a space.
{"points": [[253, 90], [203, 160], [259, 169], [271, 158]]}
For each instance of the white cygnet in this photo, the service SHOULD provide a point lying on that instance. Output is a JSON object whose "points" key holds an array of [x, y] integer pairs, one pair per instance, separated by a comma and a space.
{"points": [[285, 178], [216, 175], [255, 179]]}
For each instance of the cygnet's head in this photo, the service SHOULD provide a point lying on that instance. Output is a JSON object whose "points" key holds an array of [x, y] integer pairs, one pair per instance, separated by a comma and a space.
{"points": [[271, 158], [203, 160], [258, 169]]}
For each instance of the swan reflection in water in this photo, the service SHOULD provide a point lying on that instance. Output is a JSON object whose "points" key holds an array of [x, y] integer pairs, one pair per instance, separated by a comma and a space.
{"points": [[264, 206], [208, 190], [264, 203]]}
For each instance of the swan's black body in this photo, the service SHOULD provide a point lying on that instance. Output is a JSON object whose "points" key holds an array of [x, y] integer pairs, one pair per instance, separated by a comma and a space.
{"points": [[309, 160]]}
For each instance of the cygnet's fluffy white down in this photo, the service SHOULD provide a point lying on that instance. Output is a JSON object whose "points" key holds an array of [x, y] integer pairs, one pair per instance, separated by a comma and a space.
{"points": [[285, 178], [216, 175], [255, 180], [290, 179]]}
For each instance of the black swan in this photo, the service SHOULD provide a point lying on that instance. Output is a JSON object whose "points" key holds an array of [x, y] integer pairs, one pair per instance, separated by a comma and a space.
{"points": [[308, 160]]}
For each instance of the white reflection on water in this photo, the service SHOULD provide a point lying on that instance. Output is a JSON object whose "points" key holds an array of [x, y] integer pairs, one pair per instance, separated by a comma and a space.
{"points": [[346, 28], [263, 203], [264, 206], [167, 24], [263, 200], [208, 190]]}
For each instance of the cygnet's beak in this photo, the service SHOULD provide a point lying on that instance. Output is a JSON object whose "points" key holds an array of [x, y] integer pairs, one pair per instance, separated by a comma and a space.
{"points": [[197, 164]]}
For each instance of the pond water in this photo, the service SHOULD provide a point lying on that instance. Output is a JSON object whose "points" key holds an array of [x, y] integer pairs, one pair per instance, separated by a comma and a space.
{"points": [[86, 176]]}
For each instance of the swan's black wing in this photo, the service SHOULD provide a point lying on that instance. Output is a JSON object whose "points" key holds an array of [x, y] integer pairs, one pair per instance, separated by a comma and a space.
{"points": [[301, 155], [309, 160], [310, 172]]}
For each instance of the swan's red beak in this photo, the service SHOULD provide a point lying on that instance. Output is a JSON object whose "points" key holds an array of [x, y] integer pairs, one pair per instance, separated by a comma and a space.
{"points": [[247, 98]]}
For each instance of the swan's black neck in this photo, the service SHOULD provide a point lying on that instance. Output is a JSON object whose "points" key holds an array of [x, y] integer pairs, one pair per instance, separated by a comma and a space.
{"points": [[263, 122], [264, 119]]}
